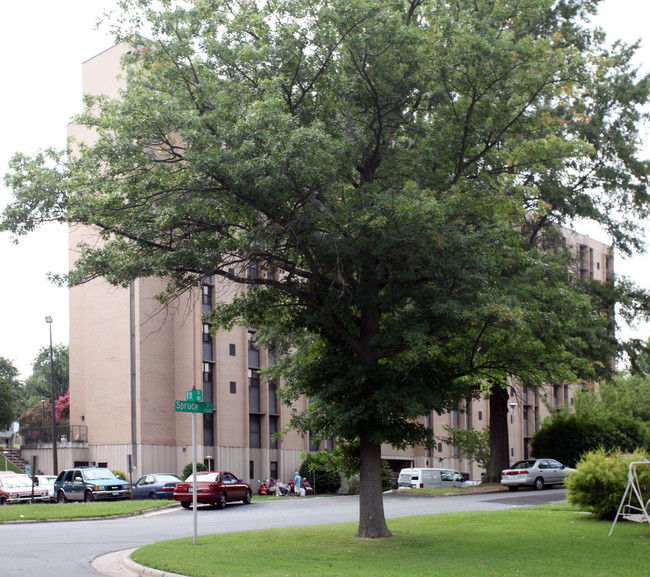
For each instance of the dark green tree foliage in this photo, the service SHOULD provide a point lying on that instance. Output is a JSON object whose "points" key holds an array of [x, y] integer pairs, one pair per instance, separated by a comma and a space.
{"points": [[38, 384], [187, 469], [8, 386], [391, 168], [567, 437], [322, 471]]}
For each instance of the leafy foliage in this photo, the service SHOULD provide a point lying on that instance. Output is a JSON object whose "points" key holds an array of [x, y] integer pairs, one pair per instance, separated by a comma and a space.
{"points": [[38, 384], [187, 469], [599, 482], [566, 437], [8, 385], [472, 444], [321, 470], [383, 177]]}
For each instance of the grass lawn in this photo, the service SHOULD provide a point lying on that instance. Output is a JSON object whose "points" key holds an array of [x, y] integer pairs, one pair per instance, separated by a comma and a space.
{"points": [[545, 541], [45, 511]]}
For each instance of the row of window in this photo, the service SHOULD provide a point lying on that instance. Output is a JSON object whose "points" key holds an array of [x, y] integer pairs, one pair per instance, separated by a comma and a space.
{"points": [[256, 414]]}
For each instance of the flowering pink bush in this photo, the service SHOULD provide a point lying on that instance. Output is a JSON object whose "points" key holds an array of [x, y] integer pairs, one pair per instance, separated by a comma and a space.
{"points": [[62, 406]]}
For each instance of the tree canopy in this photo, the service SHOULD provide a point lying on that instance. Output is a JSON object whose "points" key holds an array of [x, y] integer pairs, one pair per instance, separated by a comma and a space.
{"points": [[8, 384], [384, 176]]}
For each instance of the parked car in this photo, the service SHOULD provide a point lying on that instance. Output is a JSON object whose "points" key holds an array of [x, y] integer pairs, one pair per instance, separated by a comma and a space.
{"points": [[90, 484], [156, 486], [47, 482], [537, 473], [213, 487], [17, 488], [424, 478]]}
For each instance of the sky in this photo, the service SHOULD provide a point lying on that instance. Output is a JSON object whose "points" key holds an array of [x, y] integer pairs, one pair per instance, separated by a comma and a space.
{"points": [[43, 44]]}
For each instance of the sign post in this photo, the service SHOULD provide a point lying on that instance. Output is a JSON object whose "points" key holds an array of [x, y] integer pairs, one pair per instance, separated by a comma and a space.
{"points": [[194, 404]]}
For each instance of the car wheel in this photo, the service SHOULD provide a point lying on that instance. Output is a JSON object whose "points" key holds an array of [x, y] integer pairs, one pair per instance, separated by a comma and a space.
{"points": [[152, 495], [3, 501], [513, 488], [248, 497], [89, 497], [539, 484], [185, 504], [61, 498], [221, 503]]}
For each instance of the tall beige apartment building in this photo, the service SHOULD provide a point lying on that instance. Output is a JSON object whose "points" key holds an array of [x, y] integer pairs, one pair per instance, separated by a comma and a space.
{"points": [[131, 359]]}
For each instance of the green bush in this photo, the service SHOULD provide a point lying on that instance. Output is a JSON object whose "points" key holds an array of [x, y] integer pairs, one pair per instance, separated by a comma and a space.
{"points": [[566, 437], [599, 481], [187, 470], [321, 471], [119, 474]]}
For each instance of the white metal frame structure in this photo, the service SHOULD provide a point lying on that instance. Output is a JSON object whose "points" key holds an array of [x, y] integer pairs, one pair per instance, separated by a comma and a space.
{"points": [[637, 512]]}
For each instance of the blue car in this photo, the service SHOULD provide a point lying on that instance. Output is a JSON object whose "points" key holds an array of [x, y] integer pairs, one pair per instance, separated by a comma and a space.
{"points": [[155, 486]]}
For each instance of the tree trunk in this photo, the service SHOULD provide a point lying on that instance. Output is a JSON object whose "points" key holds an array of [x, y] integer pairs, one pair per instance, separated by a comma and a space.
{"points": [[499, 450], [372, 522]]}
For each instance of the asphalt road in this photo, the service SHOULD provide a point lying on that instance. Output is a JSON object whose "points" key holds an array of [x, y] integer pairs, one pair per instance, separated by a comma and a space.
{"points": [[66, 549]]}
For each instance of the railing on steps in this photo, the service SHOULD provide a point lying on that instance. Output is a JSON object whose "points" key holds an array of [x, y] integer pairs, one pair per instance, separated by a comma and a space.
{"points": [[14, 457]]}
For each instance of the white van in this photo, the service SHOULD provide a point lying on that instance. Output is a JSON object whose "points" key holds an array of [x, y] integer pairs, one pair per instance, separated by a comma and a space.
{"points": [[429, 478]]}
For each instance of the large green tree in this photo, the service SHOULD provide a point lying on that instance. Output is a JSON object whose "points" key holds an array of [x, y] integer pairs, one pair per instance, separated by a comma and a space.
{"points": [[38, 384], [381, 175], [9, 383]]}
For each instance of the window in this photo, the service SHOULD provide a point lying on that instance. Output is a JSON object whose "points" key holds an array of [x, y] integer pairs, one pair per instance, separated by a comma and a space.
{"points": [[233, 387], [274, 470], [207, 374], [207, 343], [254, 405], [255, 431], [208, 429], [251, 469], [253, 352], [273, 429], [233, 350], [206, 298], [273, 399]]}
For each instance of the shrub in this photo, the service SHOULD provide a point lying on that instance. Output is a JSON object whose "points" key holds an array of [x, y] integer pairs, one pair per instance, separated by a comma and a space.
{"points": [[321, 471], [599, 481], [566, 437], [187, 470], [119, 474]]}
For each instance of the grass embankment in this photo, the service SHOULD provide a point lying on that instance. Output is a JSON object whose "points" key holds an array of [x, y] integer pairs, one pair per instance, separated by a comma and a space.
{"points": [[540, 541], [48, 511]]}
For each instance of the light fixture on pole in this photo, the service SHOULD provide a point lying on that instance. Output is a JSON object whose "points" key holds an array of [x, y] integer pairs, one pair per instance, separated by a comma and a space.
{"points": [[42, 418], [55, 465], [512, 406]]}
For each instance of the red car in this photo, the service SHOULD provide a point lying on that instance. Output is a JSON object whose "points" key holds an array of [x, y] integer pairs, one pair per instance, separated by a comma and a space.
{"points": [[213, 487], [17, 488]]}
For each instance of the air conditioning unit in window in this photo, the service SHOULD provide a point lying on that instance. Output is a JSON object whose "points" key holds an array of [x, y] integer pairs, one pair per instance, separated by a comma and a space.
{"points": [[294, 410]]}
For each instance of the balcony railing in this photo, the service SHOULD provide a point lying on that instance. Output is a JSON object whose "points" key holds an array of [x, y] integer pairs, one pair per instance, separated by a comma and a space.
{"points": [[64, 433]]}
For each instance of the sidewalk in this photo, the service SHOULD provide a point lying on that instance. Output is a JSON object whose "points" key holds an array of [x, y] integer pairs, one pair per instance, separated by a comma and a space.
{"points": [[119, 564]]}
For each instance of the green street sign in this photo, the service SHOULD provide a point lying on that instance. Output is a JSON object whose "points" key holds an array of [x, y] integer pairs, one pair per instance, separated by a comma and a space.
{"points": [[194, 395], [193, 407]]}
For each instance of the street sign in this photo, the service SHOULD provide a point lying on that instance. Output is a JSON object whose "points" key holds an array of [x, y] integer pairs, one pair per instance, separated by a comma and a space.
{"points": [[193, 407], [194, 395]]}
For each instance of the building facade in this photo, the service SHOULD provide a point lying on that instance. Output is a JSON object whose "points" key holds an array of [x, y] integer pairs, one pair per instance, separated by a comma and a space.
{"points": [[131, 359]]}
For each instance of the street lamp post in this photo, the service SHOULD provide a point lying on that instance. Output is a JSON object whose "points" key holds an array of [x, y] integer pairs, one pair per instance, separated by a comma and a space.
{"points": [[55, 465], [42, 418], [512, 406]]}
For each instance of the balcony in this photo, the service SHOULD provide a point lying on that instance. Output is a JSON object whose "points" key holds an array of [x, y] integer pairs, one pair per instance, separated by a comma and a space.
{"points": [[35, 436]]}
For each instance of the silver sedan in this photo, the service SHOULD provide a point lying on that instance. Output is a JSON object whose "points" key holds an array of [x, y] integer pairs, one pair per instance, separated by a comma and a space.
{"points": [[537, 473]]}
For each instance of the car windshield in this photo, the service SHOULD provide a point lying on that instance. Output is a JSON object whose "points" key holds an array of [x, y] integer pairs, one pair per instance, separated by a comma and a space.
{"points": [[204, 477], [168, 478], [523, 464], [15, 481], [97, 474]]}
